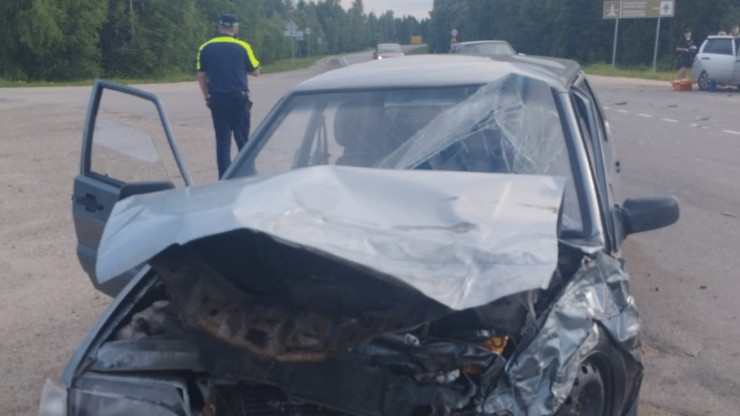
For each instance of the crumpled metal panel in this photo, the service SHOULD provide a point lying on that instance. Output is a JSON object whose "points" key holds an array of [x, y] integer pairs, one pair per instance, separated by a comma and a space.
{"points": [[539, 377], [462, 239]]}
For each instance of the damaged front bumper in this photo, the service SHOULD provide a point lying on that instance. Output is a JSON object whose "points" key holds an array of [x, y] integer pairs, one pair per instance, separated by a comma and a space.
{"points": [[426, 372], [401, 374], [330, 287]]}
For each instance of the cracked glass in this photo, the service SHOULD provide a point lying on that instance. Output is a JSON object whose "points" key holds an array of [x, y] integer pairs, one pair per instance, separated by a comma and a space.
{"points": [[510, 126]]}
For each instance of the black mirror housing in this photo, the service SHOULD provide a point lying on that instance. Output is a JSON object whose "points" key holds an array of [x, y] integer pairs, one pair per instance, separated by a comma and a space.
{"points": [[645, 214]]}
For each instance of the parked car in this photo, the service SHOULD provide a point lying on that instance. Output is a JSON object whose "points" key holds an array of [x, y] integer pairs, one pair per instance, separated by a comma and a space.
{"points": [[388, 50], [717, 63], [490, 48], [392, 241]]}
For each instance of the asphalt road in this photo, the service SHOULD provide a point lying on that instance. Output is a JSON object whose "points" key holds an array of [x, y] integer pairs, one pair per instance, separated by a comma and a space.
{"points": [[683, 277]]}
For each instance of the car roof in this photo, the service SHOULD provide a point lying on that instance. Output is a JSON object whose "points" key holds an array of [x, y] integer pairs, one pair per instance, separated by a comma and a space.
{"points": [[474, 42], [441, 70], [723, 37]]}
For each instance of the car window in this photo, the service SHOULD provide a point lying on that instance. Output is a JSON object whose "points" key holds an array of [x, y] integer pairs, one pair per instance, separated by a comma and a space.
{"points": [[719, 46], [389, 48], [489, 49], [510, 126], [357, 129], [591, 129], [607, 147], [129, 143]]}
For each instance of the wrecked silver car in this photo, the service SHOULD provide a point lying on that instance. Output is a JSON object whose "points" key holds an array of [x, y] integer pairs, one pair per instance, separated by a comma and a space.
{"points": [[437, 235]]}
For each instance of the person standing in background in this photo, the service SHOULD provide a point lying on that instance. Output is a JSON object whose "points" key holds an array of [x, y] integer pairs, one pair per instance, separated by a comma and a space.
{"points": [[223, 64], [685, 48]]}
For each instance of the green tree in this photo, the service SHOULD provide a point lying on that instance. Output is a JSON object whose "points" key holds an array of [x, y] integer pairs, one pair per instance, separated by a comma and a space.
{"points": [[59, 39]]}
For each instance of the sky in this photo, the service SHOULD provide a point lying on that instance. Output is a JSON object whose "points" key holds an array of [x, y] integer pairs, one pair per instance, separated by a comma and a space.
{"points": [[417, 8]]}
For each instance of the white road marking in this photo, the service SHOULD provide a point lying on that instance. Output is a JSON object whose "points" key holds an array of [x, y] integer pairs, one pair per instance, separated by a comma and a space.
{"points": [[671, 120]]}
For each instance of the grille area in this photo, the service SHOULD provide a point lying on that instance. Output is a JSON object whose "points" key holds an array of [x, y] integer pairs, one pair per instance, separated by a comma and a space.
{"points": [[249, 400]]}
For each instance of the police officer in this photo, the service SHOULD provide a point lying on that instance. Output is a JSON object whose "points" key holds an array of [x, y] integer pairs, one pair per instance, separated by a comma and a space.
{"points": [[223, 64]]}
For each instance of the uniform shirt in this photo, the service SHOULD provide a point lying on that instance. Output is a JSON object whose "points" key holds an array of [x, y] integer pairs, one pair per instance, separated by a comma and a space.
{"points": [[226, 62]]}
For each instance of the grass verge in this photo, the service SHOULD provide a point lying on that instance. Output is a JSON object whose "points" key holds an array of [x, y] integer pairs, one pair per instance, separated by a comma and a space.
{"points": [[603, 69], [279, 66], [637, 72]]}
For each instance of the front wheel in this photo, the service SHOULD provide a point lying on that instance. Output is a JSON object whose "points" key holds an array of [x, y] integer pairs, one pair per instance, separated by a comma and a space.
{"points": [[588, 397], [705, 83]]}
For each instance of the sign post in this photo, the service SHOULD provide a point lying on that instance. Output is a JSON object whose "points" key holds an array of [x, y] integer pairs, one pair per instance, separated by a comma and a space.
{"points": [[291, 31], [613, 10], [637, 9], [665, 10], [307, 31]]}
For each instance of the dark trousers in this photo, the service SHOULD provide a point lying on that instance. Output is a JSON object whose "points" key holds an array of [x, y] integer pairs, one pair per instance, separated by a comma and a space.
{"points": [[230, 113]]}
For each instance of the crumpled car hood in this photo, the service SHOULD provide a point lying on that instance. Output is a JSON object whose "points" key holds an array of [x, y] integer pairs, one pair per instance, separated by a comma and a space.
{"points": [[461, 239]]}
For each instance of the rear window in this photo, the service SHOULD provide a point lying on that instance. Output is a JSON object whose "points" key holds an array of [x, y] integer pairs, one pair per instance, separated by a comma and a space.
{"points": [[487, 49], [719, 46], [390, 48]]}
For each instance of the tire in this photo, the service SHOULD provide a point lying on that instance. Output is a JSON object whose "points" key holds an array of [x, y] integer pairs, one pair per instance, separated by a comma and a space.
{"points": [[589, 395], [596, 388], [705, 83]]}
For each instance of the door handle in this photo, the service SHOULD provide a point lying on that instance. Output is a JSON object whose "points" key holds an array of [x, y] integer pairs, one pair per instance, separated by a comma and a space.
{"points": [[89, 202], [706, 59]]}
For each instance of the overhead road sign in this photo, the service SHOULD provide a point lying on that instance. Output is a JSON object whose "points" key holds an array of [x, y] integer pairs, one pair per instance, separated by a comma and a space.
{"points": [[638, 9], [612, 9], [666, 8]]}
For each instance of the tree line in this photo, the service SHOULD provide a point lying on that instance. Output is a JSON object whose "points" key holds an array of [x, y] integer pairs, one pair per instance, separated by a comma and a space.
{"points": [[576, 29], [60, 40]]}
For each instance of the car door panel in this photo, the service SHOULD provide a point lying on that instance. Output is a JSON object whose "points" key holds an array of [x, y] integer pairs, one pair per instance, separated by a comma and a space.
{"points": [[736, 72], [121, 156], [718, 59]]}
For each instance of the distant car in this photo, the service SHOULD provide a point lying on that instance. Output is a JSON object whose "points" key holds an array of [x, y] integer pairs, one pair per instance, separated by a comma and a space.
{"points": [[388, 50], [393, 240], [717, 63], [489, 48]]}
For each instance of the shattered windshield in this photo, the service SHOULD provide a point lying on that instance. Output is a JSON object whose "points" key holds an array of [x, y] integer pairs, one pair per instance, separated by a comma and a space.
{"points": [[509, 126]]}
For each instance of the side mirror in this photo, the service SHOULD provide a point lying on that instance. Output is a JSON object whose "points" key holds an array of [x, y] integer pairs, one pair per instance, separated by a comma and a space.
{"points": [[645, 214]]}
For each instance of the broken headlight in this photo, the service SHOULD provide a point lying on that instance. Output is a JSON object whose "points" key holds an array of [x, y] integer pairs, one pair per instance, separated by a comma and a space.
{"points": [[122, 396], [53, 399]]}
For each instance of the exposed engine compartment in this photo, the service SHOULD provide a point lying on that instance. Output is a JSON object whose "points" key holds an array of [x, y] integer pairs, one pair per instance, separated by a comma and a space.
{"points": [[457, 363], [403, 355]]}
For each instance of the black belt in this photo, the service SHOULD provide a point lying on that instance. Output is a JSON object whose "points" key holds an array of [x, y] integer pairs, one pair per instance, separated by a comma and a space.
{"points": [[231, 94]]}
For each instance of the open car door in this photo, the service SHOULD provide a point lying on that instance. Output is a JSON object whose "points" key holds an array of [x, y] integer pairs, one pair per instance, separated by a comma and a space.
{"points": [[127, 149]]}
